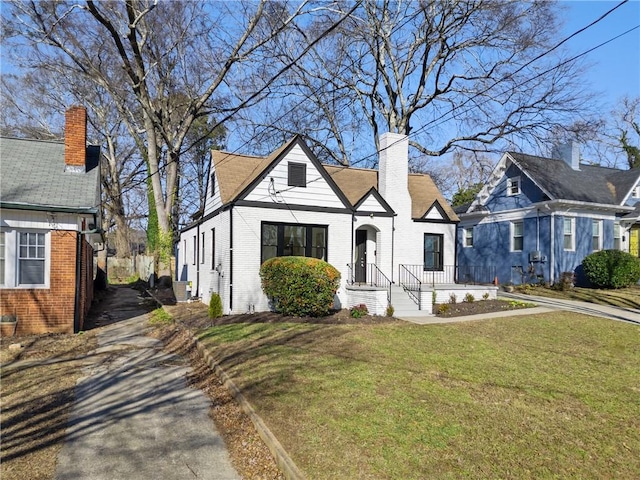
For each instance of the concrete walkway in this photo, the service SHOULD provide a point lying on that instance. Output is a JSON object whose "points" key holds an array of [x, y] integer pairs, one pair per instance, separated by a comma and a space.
{"points": [[134, 415], [543, 305]]}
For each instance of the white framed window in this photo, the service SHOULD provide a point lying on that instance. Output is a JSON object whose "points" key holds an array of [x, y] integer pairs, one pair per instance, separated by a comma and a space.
{"points": [[635, 193], [468, 237], [202, 248], [569, 230], [195, 249], [517, 236], [25, 258], [513, 186], [617, 236], [596, 236]]}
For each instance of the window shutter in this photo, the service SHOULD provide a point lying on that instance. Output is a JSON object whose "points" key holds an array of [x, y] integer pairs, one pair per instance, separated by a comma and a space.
{"points": [[297, 174]]}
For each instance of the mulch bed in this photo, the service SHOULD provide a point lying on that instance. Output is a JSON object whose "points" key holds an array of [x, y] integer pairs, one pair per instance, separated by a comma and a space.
{"points": [[478, 307]]}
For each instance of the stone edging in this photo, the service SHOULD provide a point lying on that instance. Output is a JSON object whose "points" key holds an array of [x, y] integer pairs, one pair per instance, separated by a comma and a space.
{"points": [[282, 458]]}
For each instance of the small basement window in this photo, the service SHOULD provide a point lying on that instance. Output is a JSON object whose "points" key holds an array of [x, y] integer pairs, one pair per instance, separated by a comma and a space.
{"points": [[297, 174]]}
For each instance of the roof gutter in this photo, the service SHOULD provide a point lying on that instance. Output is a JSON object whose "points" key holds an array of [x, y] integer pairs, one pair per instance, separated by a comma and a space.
{"points": [[48, 208], [560, 204]]}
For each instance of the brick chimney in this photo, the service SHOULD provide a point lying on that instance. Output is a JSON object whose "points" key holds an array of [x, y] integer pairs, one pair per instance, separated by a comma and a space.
{"points": [[75, 140]]}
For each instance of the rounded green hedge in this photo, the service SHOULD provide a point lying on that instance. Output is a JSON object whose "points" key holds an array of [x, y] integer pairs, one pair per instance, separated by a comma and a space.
{"points": [[611, 269], [300, 286]]}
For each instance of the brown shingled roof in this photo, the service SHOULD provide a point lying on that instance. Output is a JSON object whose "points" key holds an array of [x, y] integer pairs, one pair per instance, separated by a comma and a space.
{"points": [[236, 172], [354, 182], [423, 193]]}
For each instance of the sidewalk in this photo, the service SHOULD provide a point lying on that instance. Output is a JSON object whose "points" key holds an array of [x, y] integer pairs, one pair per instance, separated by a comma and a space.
{"points": [[543, 305], [605, 311], [134, 415]]}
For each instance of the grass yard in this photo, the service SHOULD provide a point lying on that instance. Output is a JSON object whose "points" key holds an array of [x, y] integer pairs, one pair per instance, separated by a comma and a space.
{"points": [[540, 396], [623, 297]]}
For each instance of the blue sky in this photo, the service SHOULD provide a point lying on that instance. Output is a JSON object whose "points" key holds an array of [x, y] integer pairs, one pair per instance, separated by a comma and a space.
{"points": [[616, 66]]}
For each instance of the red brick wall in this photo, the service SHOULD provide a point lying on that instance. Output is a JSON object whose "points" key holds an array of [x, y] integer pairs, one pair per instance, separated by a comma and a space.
{"points": [[75, 136], [52, 309]]}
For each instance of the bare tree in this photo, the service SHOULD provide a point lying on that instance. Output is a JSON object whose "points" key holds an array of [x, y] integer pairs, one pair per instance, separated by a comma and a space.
{"points": [[451, 74], [142, 53]]}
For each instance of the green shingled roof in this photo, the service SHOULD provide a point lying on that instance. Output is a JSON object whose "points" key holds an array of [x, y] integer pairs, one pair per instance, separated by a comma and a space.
{"points": [[32, 175]]}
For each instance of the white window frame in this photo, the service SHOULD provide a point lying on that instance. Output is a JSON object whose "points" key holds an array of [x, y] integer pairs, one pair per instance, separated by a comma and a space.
{"points": [[12, 259], [598, 224], [513, 235], [572, 233], [467, 241], [617, 236], [511, 183], [635, 193]]}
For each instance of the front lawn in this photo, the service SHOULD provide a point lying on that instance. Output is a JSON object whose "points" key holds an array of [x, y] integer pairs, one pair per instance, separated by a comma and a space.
{"points": [[540, 396], [623, 297]]}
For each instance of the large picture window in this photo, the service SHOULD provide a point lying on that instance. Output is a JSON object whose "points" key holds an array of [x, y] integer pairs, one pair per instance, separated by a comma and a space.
{"points": [[433, 251], [31, 258], [285, 239]]}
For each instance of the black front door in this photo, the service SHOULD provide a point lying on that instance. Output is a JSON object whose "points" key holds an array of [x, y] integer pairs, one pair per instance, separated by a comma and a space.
{"points": [[361, 256]]}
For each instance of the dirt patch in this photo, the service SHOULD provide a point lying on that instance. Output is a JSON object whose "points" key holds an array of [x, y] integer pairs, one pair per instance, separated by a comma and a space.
{"points": [[37, 396]]}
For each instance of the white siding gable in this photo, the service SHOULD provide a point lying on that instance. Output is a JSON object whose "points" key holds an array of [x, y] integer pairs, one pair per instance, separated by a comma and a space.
{"points": [[433, 214], [214, 201], [274, 187], [371, 204]]}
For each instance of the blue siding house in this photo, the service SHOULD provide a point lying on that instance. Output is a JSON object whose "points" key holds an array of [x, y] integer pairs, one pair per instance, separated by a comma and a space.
{"points": [[539, 217]]}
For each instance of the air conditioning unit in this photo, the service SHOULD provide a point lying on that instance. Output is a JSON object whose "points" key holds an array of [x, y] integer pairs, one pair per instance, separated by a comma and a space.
{"points": [[535, 256]]}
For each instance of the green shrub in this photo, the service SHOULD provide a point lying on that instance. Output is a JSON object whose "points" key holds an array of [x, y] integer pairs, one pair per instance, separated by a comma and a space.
{"points": [[485, 296], [443, 308], [611, 268], [453, 299], [215, 306], [390, 311], [359, 311], [300, 285], [469, 298]]}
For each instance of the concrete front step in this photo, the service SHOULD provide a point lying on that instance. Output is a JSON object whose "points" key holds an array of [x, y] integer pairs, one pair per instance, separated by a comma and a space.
{"points": [[402, 303]]}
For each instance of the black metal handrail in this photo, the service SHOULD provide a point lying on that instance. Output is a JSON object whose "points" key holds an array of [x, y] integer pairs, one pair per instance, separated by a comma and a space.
{"points": [[449, 274], [373, 277], [410, 283]]}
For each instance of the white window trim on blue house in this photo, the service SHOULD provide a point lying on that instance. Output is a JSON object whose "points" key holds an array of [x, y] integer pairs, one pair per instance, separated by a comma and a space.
{"points": [[635, 193], [617, 236], [596, 235], [514, 235], [570, 235], [467, 237], [513, 186]]}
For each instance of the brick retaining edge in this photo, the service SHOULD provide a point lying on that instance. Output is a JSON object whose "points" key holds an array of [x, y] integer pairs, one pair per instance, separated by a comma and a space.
{"points": [[282, 458]]}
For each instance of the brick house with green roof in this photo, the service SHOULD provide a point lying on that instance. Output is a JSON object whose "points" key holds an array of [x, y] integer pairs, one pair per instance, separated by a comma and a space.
{"points": [[49, 218]]}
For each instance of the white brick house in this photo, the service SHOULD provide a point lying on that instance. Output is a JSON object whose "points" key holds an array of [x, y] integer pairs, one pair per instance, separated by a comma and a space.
{"points": [[370, 225]]}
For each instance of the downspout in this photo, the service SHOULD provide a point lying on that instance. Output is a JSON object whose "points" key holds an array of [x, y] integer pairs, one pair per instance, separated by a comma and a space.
{"points": [[455, 254], [76, 310], [393, 241], [353, 228], [552, 256], [231, 259], [198, 246]]}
